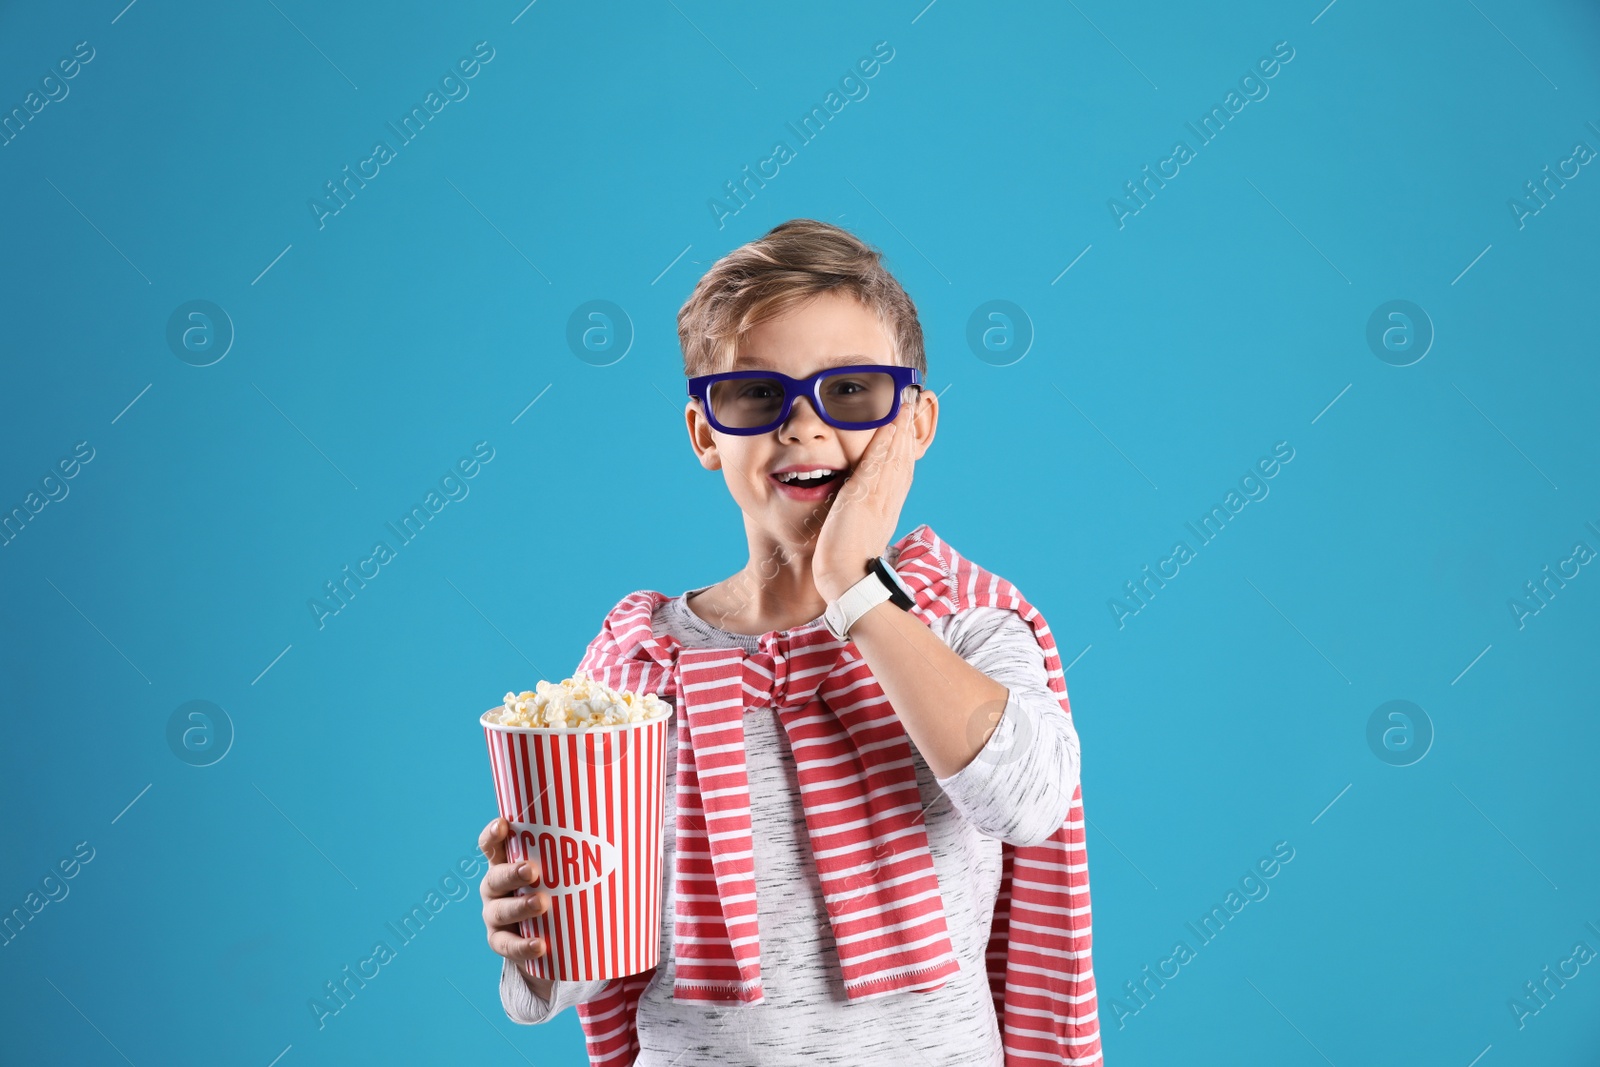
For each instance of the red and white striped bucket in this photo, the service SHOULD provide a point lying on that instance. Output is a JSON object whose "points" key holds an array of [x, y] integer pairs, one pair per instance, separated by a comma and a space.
{"points": [[587, 804]]}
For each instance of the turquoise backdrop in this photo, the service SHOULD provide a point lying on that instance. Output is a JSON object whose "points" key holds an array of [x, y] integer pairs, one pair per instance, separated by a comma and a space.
{"points": [[1316, 271]]}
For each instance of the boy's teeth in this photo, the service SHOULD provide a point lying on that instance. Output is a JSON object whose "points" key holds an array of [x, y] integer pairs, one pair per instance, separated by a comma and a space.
{"points": [[794, 476]]}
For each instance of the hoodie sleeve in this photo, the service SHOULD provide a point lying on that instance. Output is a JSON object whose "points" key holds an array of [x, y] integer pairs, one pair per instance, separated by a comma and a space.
{"points": [[1019, 786], [524, 1006]]}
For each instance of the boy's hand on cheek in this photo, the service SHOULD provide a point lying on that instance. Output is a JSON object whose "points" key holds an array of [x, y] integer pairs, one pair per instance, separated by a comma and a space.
{"points": [[866, 509]]}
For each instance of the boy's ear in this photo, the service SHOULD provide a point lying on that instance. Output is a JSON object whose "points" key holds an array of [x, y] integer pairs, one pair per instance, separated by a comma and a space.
{"points": [[924, 421], [701, 438]]}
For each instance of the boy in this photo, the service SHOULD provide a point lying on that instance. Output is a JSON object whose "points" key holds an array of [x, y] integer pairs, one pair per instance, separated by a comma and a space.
{"points": [[889, 866]]}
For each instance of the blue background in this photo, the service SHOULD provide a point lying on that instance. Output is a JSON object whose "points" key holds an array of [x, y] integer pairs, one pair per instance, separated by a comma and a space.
{"points": [[371, 352]]}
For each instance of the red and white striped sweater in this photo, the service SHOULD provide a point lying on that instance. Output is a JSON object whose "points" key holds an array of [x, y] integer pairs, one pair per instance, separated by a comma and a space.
{"points": [[864, 820]]}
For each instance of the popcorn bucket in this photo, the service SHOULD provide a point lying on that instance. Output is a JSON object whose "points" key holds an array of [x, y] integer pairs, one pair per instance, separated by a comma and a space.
{"points": [[587, 804]]}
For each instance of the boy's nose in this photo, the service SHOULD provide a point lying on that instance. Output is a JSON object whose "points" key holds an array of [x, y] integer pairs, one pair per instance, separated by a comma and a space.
{"points": [[802, 422]]}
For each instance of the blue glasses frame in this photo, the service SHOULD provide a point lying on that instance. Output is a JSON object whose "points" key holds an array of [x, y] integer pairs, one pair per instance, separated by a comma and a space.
{"points": [[700, 388]]}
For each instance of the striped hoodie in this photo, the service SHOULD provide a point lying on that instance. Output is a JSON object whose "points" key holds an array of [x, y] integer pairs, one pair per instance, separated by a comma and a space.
{"points": [[863, 815]]}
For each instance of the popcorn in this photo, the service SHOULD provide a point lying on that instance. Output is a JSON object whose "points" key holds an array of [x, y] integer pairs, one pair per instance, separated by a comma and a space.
{"points": [[577, 702]]}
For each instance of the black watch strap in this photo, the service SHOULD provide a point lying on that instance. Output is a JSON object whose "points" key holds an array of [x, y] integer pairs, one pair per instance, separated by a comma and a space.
{"points": [[897, 594]]}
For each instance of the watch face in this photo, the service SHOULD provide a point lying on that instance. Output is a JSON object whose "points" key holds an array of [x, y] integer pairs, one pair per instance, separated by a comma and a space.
{"points": [[888, 572]]}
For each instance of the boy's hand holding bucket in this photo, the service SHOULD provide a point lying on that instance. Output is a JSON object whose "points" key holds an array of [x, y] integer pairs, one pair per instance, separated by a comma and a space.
{"points": [[579, 772], [505, 907]]}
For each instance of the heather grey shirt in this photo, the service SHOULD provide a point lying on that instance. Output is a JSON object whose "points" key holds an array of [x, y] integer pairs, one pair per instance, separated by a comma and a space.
{"points": [[1018, 789]]}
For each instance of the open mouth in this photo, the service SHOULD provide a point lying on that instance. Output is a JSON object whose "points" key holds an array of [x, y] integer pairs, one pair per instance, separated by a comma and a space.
{"points": [[811, 486], [809, 479]]}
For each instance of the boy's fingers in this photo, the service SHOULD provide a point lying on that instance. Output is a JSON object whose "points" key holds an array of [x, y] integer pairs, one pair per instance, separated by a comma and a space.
{"points": [[507, 944], [507, 912], [903, 434], [504, 878], [899, 432], [491, 841]]}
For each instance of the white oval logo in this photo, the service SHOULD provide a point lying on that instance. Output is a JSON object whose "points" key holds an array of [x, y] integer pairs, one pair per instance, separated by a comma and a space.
{"points": [[568, 859]]}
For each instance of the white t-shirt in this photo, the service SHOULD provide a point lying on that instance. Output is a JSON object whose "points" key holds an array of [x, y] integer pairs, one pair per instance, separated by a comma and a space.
{"points": [[1017, 789]]}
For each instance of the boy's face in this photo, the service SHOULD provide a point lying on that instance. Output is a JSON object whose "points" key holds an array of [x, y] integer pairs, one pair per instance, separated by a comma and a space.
{"points": [[829, 330]]}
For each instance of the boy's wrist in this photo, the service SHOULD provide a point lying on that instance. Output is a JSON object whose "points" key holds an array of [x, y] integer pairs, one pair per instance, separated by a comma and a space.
{"points": [[833, 586]]}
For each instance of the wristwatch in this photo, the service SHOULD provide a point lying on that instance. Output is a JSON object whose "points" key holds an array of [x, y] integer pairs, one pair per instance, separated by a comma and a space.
{"points": [[880, 584]]}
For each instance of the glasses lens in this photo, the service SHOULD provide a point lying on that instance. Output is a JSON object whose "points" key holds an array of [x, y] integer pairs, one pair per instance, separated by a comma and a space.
{"points": [[848, 397], [746, 402], [858, 396]]}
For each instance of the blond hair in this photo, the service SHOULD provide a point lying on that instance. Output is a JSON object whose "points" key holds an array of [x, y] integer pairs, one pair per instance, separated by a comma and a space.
{"points": [[793, 262]]}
